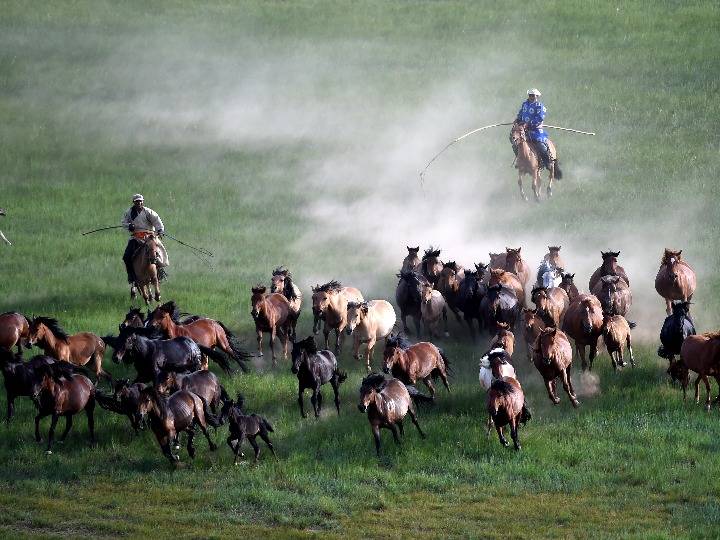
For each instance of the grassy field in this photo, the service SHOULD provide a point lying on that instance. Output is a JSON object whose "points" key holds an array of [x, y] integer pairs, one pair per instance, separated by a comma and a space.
{"points": [[292, 133]]}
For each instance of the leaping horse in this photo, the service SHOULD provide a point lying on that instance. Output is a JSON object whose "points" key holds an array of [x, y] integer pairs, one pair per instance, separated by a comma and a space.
{"points": [[528, 162]]}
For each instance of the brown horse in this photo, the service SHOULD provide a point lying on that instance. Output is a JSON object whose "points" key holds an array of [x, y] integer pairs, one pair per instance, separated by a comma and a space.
{"points": [[206, 332], [411, 263], [552, 356], [448, 284], [181, 412], [431, 265], [509, 280], [386, 403], [271, 313], [583, 322], [609, 267], [330, 303], [133, 319], [533, 325], [701, 354], [551, 304], [78, 349], [203, 383], [553, 257], [497, 261], [60, 393], [504, 338], [614, 295], [616, 335], [514, 263], [145, 263], [14, 330], [282, 282], [528, 162], [505, 404], [568, 285], [410, 363], [675, 279]]}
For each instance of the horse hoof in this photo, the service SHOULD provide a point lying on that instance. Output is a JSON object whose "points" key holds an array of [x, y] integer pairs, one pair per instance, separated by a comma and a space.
{"points": [[49, 452], [556, 401], [549, 192], [575, 403]]}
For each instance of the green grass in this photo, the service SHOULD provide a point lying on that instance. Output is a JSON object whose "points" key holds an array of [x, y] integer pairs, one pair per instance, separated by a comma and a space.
{"points": [[292, 133]]}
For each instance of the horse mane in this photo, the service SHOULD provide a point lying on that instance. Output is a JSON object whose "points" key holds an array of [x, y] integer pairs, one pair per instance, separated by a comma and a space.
{"points": [[399, 341], [330, 286], [502, 387], [537, 290], [150, 333], [53, 325], [309, 345], [375, 381], [289, 290], [411, 276], [712, 335], [135, 311], [669, 253], [172, 309], [281, 271], [157, 398], [452, 265], [431, 252]]}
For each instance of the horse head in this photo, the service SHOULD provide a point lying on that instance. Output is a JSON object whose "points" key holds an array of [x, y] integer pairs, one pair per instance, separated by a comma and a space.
{"points": [[356, 312], [546, 344], [277, 281], [609, 258], [586, 315], [300, 352], [426, 292], [152, 249], [394, 350], [322, 295], [608, 297], [670, 260], [412, 252], [517, 133], [125, 346], [681, 308], [257, 298], [166, 382], [481, 268], [369, 388]]}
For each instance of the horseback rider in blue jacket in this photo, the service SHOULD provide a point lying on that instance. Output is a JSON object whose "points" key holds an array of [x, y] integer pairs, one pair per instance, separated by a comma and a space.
{"points": [[532, 113]]}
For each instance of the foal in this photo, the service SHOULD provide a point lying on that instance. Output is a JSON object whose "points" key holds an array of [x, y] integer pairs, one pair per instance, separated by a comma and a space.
{"points": [[247, 426]]}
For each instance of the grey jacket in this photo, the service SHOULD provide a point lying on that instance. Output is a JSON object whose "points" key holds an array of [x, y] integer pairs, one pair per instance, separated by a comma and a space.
{"points": [[147, 220]]}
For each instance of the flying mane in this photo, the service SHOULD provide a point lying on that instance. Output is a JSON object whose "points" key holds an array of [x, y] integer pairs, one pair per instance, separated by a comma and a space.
{"points": [[330, 286], [53, 325]]}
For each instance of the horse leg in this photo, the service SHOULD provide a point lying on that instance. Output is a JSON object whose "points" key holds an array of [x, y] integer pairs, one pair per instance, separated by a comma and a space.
{"points": [[259, 336], [10, 408], [51, 433], [708, 400], [566, 386], [417, 326], [336, 387], [38, 437], [514, 433], [313, 400], [428, 382], [629, 346], [445, 323], [338, 334], [413, 417], [376, 436], [520, 184], [90, 413], [68, 425], [326, 333], [403, 318], [256, 448], [356, 347], [501, 436], [581, 353], [593, 353], [319, 401], [550, 386], [273, 333], [444, 379], [369, 351], [536, 184], [401, 428], [300, 401], [264, 436], [396, 436], [697, 389], [190, 448], [550, 179]]}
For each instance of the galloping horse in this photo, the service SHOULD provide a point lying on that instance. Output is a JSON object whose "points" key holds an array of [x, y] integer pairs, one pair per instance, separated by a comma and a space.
{"points": [[14, 329], [206, 332], [330, 303], [271, 313], [78, 349], [609, 267], [529, 163], [675, 280], [408, 296], [448, 284], [423, 361], [281, 282], [472, 291], [431, 265], [514, 263], [145, 263]]}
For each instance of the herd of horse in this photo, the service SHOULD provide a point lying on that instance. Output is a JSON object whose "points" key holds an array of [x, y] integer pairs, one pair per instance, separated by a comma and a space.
{"points": [[174, 391]]}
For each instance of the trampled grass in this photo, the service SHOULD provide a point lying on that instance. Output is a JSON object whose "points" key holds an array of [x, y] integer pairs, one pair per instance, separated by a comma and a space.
{"points": [[292, 133]]}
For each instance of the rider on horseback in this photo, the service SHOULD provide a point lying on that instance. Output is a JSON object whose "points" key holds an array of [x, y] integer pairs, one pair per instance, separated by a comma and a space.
{"points": [[532, 113], [140, 221]]}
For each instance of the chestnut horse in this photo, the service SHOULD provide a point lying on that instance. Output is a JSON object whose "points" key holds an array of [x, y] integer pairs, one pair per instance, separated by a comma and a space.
{"points": [[609, 267], [514, 263], [423, 361], [616, 335], [271, 313], [330, 303], [14, 330], [528, 162], [206, 332], [145, 263], [387, 402], [552, 356], [583, 322], [701, 354], [533, 325], [78, 349], [282, 283], [431, 265], [568, 285], [614, 295], [504, 338], [675, 279], [551, 304], [59, 393]]}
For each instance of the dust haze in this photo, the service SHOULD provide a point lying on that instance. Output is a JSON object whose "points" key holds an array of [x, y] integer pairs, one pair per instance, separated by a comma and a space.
{"points": [[369, 129]]}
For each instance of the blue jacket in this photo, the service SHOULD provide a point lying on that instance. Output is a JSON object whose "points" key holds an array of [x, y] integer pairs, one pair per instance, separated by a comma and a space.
{"points": [[533, 114]]}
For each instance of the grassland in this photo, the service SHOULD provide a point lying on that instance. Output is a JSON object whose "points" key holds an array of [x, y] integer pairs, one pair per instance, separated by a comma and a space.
{"points": [[292, 133]]}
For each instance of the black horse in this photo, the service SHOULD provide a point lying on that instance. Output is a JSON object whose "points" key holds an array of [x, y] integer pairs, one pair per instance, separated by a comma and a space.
{"points": [[125, 400], [134, 318], [408, 296], [675, 329], [472, 291], [152, 356], [313, 369], [20, 376], [500, 305]]}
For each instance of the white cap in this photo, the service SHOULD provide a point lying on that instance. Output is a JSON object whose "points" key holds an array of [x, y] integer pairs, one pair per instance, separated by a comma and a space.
{"points": [[534, 92], [138, 197]]}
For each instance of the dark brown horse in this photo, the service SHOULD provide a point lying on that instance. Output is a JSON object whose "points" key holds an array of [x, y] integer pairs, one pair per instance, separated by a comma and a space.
{"points": [[20, 377], [313, 369], [247, 426], [583, 322], [203, 331], [470, 296], [387, 402], [181, 412], [60, 393], [552, 356], [675, 279], [134, 318], [410, 363], [614, 295], [271, 313], [14, 330], [78, 349], [701, 354], [505, 404], [408, 296], [568, 285], [609, 267], [448, 284], [528, 162], [431, 265], [551, 304], [533, 325], [125, 400]]}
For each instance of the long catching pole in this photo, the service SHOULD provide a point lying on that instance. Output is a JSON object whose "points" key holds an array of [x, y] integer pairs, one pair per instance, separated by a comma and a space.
{"points": [[103, 229], [460, 138], [571, 130]]}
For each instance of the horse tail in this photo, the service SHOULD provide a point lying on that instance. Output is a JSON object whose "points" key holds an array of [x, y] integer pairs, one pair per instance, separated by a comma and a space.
{"points": [[446, 360], [210, 418], [218, 357], [264, 422], [342, 376], [417, 396], [108, 402], [558, 173], [227, 405], [239, 354]]}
